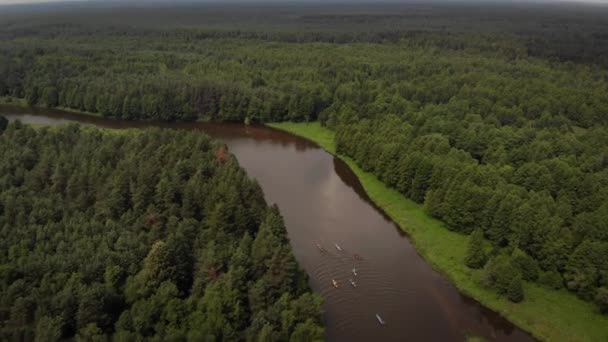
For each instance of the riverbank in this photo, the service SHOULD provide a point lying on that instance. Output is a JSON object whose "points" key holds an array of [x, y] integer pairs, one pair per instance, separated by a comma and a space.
{"points": [[20, 102], [547, 314]]}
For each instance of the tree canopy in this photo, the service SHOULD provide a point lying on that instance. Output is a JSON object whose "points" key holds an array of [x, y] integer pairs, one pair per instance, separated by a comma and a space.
{"points": [[141, 236]]}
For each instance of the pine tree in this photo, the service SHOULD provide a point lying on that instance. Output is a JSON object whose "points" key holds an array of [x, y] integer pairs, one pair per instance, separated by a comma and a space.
{"points": [[476, 256], [119, 200], [91, 333], [526, 264], [48, 329], [266, 334], [515, 292], [307, 331]]}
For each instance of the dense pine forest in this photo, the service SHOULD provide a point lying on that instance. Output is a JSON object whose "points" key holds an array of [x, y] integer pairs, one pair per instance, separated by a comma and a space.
{"points": [[498, 126], [152, 235]]}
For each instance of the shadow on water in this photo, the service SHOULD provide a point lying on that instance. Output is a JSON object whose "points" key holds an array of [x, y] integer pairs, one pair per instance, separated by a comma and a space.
{"points": [[349, 178]]}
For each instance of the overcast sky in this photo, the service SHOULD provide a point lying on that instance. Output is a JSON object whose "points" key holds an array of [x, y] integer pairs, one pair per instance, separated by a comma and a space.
{"points": [[6, 2], [38, 1]]}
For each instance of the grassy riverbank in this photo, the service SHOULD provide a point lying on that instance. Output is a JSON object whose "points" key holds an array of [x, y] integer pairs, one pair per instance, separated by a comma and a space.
{"points": [[548, 314]]}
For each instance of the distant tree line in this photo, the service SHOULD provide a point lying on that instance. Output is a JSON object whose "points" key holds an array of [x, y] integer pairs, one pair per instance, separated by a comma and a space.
{"points": [[165, 87], [152, 235], [566, 32], [235, 79]]}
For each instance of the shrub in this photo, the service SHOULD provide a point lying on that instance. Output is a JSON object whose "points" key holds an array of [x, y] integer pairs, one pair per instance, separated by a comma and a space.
{"points": [[476, 256], [499, 272], [525, 264], [551, 279], [515, 292], [601, 299]]}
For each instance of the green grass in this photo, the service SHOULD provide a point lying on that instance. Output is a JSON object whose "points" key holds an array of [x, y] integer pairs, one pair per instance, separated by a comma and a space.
{"points": [[547, 314]]}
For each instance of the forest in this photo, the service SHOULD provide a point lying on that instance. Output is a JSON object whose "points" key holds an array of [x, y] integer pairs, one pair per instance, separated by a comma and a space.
{"points": [[499, 129], [141, 235]]}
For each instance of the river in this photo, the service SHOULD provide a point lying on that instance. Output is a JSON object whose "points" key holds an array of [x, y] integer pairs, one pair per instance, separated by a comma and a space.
{"points": [[323, 202]]}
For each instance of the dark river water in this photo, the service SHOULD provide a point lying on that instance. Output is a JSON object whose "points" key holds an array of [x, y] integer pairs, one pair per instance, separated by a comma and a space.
{"points": [[323, 202]]}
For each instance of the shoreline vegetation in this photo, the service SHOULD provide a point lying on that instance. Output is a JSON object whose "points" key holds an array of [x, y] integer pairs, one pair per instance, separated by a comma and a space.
{"points": [[547, 314], [21, 102]]}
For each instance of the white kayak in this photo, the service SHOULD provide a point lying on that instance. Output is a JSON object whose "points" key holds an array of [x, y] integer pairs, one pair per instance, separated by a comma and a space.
{"points": [[380, 319]]}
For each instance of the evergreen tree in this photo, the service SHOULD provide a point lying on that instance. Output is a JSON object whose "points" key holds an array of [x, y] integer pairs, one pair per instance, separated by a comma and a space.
{"points": [[499, 272], [476, 255], [515, 292], [48, 329], [91, 333], [526, 264], [306, 332]]}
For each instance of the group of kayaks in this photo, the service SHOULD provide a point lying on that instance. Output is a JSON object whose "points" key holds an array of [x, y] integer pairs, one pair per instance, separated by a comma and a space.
{"points": [[353, 271], [351, 281]]}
